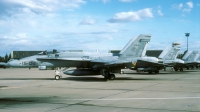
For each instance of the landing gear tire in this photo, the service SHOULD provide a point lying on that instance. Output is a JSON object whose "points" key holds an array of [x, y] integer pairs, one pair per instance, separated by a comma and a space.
{"points": [[175, 68], [106, 77], [111, 77], [57, 77], [150, 72], [157, 72]]}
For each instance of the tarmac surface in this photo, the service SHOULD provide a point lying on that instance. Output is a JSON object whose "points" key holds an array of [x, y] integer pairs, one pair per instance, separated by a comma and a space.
{"points": [[24, 90]]}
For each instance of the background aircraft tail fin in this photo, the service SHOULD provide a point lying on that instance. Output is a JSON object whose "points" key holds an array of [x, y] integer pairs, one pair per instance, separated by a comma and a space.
{"points": [[171, 53], [197, 58], [136, 47], [190, 56]]}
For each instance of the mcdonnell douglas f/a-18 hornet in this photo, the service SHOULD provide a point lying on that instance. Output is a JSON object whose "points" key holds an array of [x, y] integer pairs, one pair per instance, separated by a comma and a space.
{"points": [[132, 56], [95, 63]]}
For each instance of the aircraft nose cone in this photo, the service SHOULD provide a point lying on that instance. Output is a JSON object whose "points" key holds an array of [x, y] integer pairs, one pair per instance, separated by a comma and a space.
{"points": [[9, 63], [13, 63]]}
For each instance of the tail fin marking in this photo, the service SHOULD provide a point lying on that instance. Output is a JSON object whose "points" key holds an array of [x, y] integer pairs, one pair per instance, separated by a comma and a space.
{"points": [[136, 47], [170, 54], [190, 56]]}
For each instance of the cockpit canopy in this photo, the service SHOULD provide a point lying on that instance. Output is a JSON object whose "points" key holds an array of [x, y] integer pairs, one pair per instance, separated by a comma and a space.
{"points": [[54, 51], [46, 52]]}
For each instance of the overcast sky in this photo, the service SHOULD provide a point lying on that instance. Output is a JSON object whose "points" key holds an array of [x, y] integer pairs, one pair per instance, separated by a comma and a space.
{"points": [[91, 25]]}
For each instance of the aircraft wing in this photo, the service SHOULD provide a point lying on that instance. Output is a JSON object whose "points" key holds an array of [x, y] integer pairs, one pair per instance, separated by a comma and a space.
{"points": [[109, 64], [117, 62], [143, 63], [97, 63]]}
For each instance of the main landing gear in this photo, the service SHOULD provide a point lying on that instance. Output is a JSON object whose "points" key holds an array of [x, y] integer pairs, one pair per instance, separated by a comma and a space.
{"points": [[108, 75], [153, 71], [176, 69]]}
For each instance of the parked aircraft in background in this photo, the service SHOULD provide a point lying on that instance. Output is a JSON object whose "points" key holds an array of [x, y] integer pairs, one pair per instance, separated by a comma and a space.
{"points": [[190, 59], [169, 57], [131, 56], [3, 65], [197, 59]]}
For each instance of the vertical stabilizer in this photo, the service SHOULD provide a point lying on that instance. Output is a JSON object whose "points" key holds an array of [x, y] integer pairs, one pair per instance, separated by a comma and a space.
{"points": [[197, 57], [170, 53], [136, 47], [190, 56]]}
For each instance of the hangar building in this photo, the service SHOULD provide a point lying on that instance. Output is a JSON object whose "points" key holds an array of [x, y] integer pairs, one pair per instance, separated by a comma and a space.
{"points": [[23, 54]]}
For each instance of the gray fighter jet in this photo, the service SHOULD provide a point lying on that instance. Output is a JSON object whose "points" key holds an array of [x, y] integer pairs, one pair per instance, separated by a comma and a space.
{"points": [[87, 63]]}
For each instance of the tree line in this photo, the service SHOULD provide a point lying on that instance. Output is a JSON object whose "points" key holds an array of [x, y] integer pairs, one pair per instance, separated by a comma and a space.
{"points": [[180, 56], [6, 58]]}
